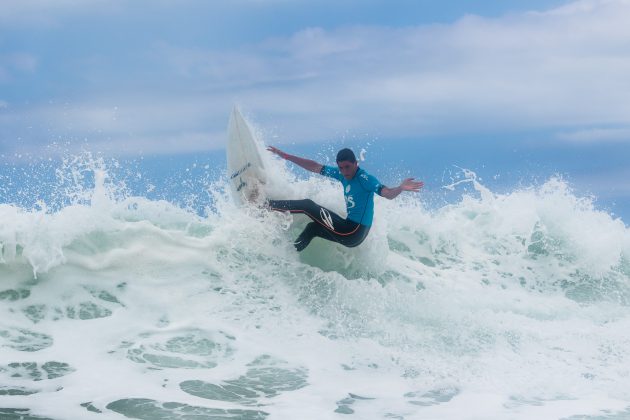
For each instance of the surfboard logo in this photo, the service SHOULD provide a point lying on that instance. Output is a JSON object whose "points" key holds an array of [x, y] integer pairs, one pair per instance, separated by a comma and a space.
{"points": [[240, 171], [326, 218], [241, 184]]}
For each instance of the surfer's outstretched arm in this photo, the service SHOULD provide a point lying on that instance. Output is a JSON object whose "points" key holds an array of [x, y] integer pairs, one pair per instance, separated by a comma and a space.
{"points": [[407, 185], [309, 165]]}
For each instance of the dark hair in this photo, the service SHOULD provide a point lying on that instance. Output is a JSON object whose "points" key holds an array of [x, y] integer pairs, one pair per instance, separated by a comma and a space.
{"points": [[346, 155]]}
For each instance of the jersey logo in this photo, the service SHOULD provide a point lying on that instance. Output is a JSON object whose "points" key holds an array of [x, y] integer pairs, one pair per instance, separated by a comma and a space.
{"points": [[349, 202], [347, 188], [364, 176], [326, 218]]}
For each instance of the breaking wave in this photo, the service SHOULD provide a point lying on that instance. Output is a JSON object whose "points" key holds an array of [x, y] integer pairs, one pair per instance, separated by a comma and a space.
{"points": [[512, 305]]}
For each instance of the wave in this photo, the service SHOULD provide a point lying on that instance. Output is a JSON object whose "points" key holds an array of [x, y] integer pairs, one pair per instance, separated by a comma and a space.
{"points": [[522, 294], [538, 238]]}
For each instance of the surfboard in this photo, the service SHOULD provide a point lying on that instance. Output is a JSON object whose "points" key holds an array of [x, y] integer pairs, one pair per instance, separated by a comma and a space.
{"points": [[246, 170]]}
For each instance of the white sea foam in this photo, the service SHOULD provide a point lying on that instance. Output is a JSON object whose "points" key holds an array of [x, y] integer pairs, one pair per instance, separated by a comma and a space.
{"points": [[498, 306]]}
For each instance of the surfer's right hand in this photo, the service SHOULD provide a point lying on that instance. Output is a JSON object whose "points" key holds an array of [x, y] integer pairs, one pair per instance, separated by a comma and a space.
{"points": [[277, 152]]}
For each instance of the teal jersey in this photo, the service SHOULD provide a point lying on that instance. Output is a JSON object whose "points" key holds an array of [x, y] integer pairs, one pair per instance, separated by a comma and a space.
{"points": [[358, 192]]}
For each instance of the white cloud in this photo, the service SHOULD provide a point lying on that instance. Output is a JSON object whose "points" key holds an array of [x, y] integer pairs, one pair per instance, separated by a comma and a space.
{"points": [[597, 135], [563, 69], [47, 12], [139, 125], [18, 62], [163, 143]]}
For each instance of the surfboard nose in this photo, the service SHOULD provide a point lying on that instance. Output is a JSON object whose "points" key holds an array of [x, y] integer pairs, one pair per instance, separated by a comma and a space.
{"points": [[246, 170], [235, 111]]}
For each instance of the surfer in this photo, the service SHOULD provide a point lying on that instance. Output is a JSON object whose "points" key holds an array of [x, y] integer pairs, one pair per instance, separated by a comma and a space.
{"points": [[359, 188]]}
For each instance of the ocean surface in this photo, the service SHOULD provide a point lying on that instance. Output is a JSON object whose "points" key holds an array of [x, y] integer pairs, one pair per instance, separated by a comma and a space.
{"points": [[127, 295]]}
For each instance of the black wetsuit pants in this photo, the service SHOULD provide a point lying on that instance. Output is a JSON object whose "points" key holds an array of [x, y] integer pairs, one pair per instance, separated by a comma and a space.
{"points": [[326, 224]]}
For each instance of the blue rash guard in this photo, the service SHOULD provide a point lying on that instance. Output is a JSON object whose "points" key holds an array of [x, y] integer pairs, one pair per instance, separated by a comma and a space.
{"points": [[358, 192]]}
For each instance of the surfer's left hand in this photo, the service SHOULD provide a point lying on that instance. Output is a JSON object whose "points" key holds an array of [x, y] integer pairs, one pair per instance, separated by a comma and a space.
{"points": [[410, 185]]}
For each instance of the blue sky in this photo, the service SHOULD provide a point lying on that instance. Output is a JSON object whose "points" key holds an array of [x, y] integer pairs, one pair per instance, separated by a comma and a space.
{"points": [[160, 77]]}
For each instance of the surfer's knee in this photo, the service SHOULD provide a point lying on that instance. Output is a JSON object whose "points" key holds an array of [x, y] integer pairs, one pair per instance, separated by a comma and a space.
{"points": [[310, 205]]}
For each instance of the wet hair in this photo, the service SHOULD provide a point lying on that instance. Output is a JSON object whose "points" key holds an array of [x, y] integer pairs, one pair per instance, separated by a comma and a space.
{"points": [[346, 155]]}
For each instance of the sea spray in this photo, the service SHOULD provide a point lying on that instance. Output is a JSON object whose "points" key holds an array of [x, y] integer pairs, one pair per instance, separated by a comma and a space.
{"points": [[498, 305]]}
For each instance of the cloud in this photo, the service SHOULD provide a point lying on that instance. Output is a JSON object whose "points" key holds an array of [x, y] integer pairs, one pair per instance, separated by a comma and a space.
{"points": [[562, 67], [150, 124], [599, 135], [48, 12], [179, 142], [14, 63], [563, 70]]}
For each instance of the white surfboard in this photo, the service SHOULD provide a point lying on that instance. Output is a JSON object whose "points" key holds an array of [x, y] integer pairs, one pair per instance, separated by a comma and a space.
{"points": [[246, 171]]}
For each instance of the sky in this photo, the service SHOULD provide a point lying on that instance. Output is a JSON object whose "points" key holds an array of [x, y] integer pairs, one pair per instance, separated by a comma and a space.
{"points": [[157, 77]]}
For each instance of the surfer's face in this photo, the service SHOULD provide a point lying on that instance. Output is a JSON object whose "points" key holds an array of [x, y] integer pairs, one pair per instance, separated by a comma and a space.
{"points": [[347, 168]]}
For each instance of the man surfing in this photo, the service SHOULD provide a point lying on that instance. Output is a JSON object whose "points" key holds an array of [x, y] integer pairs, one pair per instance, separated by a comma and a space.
{"points": [[358, 189]]}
